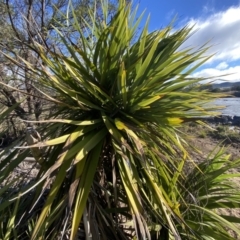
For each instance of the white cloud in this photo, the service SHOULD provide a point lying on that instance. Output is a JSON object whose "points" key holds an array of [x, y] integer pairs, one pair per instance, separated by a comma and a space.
{"points": [[222, 65], [222, 29], [209, 7], [229, 74]]}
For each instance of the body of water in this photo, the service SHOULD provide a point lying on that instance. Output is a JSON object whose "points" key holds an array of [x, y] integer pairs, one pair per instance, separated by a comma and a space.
{"points": [[232, 106]]}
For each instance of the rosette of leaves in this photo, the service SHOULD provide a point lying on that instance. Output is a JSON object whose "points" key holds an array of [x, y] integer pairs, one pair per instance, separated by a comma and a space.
{"points": [[114, 158]]}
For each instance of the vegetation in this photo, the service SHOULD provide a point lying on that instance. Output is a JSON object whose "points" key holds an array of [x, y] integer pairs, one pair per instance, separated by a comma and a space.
{"points": [[114, 163], [233, 91], [22, 24], [224, 133]]}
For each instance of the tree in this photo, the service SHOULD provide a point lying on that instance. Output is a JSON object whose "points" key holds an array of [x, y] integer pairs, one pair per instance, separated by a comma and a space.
{"points": [[24, 23], [115, 160]]}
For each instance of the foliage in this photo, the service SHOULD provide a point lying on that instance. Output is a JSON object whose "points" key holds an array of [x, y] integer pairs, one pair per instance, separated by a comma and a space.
{"points": [[114, 160], [229, 134], [21, 24], [224, 133], [235, 88], [209, 189]]}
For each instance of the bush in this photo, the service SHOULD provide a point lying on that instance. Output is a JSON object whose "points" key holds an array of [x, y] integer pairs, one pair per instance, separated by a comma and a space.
{"points": [[114, 159]]}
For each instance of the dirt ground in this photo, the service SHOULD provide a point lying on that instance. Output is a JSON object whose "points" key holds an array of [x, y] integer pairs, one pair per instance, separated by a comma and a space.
{"points": [[208, 144]]}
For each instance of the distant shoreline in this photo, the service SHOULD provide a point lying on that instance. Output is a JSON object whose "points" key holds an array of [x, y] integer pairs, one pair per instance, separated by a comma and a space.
{"points": [[231, 94]]}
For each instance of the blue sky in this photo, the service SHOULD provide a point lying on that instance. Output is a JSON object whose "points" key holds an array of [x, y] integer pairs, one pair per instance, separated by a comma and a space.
{"points": [[215, 20]]}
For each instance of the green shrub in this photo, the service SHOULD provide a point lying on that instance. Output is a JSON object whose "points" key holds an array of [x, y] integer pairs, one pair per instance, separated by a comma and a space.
{"points": [[114, 158]]}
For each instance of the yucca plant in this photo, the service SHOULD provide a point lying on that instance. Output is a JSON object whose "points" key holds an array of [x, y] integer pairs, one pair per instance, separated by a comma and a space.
{"points": [[210, 191], [114, 159]]}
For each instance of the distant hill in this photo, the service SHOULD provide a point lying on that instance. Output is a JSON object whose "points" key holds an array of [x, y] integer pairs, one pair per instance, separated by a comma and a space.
{"points": [[226, 84]]}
